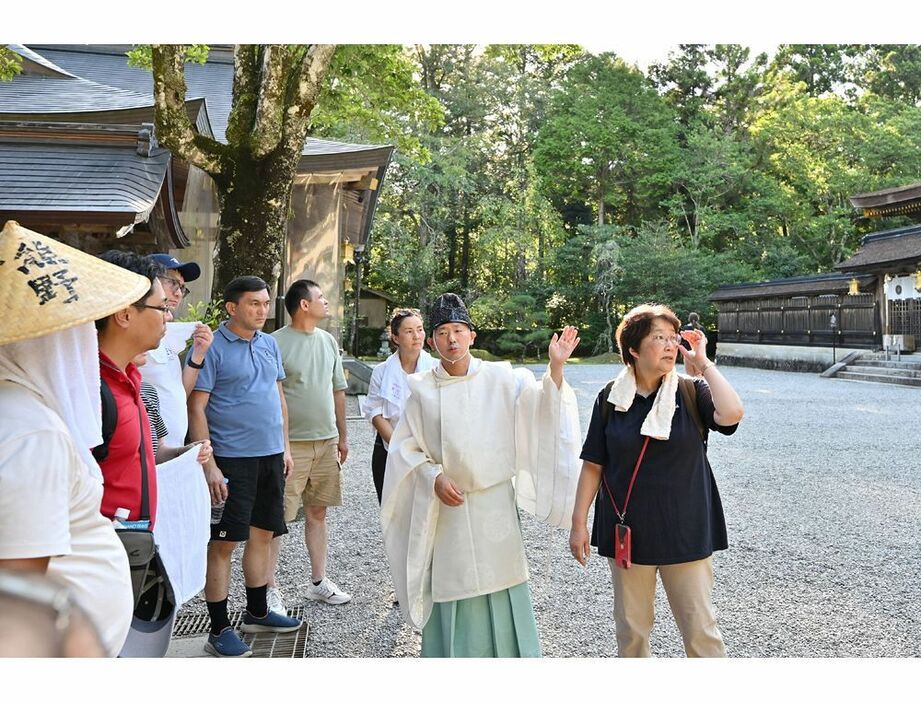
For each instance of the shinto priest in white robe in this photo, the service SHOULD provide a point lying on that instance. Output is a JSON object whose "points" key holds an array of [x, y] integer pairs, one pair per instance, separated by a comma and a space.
{"points": [[503, 438]]}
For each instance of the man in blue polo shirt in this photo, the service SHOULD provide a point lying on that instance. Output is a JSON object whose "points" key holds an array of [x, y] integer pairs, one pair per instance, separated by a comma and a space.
{"points": [[238, 404]]}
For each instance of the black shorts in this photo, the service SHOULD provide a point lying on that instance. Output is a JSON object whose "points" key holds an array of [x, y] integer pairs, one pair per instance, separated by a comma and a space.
{"points": [[255, 497]]}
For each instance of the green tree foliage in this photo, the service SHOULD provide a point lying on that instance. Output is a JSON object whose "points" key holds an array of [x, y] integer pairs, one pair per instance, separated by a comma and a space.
{"points": [[821, 68], [609, 272], [10, 63], [608, 141], [655, 266], [141, 55], [815, 149], [571, 281], [478, 193], [685, 82], [372, 96], [551, 186], [520, 316], [892, 71], [738, 83], [565, 187], [275, 91], [708, 182], [714, 85]]}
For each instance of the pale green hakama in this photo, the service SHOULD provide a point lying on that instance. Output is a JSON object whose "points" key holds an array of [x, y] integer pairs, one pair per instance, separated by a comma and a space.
{"points": [[498, 625]]}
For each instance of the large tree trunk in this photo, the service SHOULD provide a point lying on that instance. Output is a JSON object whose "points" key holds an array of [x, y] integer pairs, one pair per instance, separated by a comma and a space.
{"points": [[465, 250], [275, 89], [452, 251], [254, 199], [609, 327], [600, 175]]}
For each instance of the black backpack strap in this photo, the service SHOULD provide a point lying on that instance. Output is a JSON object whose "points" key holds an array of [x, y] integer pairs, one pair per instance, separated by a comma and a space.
{"points": [[145, 498], [688, 391], [109, 421], [605, 405]]}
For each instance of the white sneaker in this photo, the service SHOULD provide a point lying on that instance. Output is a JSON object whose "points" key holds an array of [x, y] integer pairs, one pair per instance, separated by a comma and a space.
{"points": [[275, 602], [327, 591]]}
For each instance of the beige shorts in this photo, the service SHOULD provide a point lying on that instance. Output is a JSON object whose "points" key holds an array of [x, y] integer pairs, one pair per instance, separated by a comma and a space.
{"points": [[314, 480]]}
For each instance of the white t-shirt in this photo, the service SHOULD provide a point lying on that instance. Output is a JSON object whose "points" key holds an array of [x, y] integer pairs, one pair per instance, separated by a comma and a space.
{"points": [[49, 506], [164, 372]]}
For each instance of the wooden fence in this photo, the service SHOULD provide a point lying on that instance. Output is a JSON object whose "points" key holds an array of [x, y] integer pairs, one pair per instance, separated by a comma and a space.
{"points": [[803, 320]]}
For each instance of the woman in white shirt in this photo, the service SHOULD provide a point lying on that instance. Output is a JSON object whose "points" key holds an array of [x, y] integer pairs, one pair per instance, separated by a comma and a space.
{"points": [[388, 388]]}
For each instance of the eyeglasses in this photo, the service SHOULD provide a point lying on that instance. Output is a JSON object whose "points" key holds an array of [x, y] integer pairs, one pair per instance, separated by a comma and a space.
{"points": [[164, 310], [665, 339], [175, 285]]}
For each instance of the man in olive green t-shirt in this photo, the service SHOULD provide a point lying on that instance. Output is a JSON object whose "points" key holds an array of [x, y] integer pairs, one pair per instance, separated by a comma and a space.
{"points": [[314, 388]]}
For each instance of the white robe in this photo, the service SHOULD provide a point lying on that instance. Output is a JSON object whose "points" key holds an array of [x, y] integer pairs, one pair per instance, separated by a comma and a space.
{"points": [[495, 432]]}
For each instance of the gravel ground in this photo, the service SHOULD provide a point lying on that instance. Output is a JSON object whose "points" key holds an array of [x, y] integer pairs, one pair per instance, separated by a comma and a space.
{"points": [[822, 495]]}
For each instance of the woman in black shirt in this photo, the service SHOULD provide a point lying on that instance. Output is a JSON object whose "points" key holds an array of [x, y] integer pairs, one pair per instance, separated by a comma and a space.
{"points": [[658, 509]]}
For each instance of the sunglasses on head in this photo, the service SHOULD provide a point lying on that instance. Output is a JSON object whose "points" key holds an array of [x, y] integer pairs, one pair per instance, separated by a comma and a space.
{"points": [[406, 312]]}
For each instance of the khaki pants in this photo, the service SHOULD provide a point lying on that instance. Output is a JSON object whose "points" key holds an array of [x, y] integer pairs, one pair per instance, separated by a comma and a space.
{"points": [[314, 481], [689, 587]]}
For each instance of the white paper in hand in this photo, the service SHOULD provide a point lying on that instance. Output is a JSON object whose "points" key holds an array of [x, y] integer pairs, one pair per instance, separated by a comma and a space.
{"points": [[183, 525], [178, 334]]}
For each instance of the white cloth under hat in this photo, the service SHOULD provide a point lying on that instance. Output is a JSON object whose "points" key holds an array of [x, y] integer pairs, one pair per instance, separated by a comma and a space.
{"points": [[658, 422], [63, 369]]}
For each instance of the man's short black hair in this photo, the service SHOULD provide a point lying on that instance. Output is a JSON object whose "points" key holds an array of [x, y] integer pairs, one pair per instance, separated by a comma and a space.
{"points": [[240, 285], [136, 263], [299, 290]]}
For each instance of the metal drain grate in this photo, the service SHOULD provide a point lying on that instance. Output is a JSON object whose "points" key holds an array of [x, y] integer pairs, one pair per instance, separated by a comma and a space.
{"points": [[269, 645], [264, 645]]}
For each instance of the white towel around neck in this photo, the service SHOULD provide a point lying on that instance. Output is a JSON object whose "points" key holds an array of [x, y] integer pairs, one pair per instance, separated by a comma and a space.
{"points": [[394, 388], [658, 422]]}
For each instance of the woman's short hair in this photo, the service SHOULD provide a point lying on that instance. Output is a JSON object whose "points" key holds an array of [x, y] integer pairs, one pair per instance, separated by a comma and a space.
{"points": [[399, 314], [636, 324]]}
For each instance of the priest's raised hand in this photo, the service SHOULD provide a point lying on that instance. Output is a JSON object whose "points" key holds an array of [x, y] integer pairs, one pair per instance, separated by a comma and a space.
{"points": [[560, 349]]}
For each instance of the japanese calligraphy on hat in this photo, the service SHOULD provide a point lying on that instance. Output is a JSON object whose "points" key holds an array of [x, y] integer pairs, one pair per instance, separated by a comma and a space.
{"points": [[46, 286]]}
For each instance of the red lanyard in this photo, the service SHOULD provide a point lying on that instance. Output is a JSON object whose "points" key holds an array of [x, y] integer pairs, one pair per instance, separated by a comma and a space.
{"points": [[636, 470]]}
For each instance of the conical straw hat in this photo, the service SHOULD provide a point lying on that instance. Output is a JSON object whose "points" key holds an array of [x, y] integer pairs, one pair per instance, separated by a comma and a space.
{"points": [[46, 286]]}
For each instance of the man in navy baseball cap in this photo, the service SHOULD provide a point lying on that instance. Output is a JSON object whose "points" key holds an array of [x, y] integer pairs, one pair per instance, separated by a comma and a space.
{"points": [[190, 271], [163, 369]]}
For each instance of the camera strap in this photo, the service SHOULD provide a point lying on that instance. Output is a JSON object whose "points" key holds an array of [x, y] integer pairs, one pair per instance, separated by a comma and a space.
{"points": [[636, 469]]}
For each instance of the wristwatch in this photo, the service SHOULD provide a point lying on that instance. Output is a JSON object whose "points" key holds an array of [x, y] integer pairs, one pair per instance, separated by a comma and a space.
{"points": [[192, 364], [707, 367]]}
